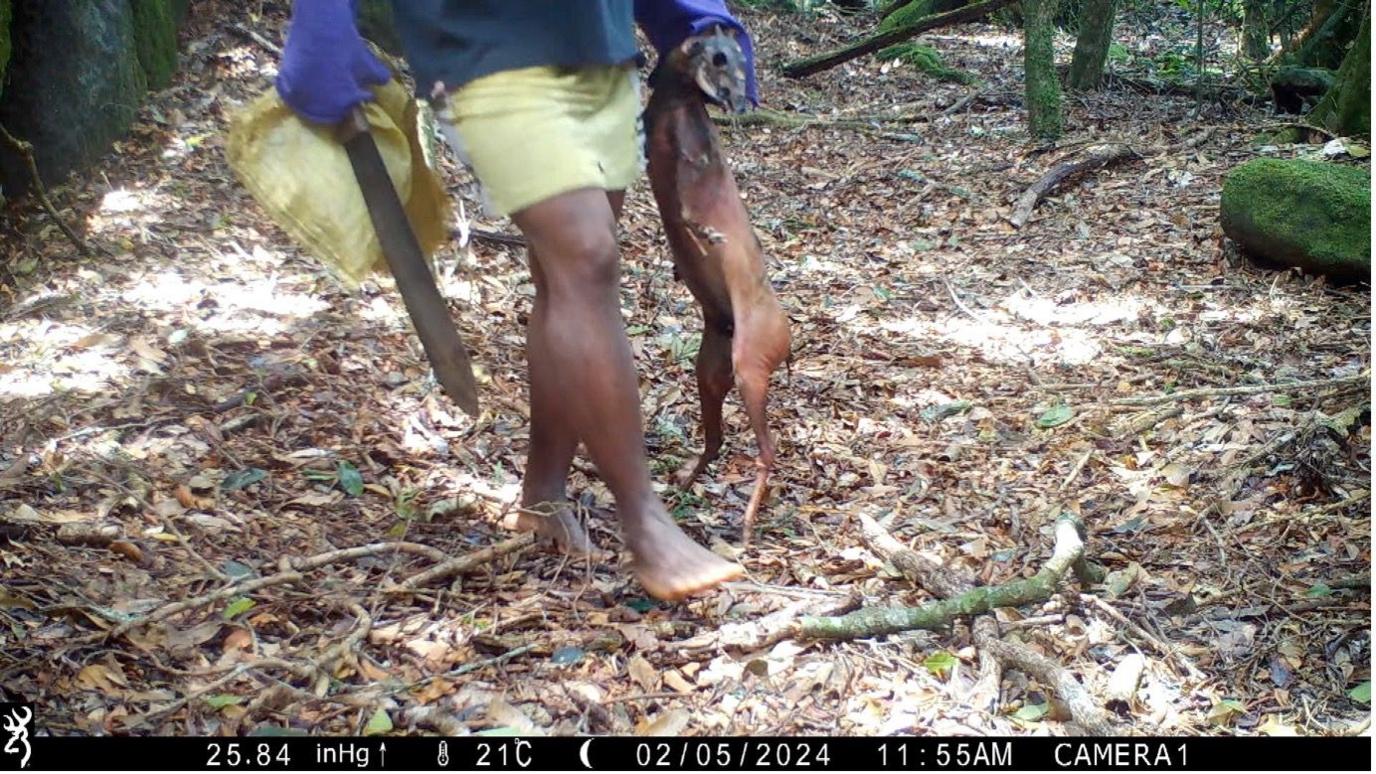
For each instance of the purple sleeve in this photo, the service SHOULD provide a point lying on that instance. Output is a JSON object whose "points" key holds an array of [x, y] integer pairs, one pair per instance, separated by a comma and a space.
{"points": [[668, 23], [326, 67]]}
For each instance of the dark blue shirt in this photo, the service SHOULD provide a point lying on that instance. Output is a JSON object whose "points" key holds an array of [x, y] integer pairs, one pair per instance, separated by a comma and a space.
{"points": [[457, 41]]}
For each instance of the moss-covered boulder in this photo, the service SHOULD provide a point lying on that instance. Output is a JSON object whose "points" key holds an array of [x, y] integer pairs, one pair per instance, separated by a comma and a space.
{"points": [[155, 35], [73, 86], [1309, 214]]}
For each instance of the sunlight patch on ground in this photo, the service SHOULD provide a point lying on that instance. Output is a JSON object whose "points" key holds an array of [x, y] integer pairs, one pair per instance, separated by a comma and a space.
{"points": [[57, 357], [125, 209], [258, 305]]}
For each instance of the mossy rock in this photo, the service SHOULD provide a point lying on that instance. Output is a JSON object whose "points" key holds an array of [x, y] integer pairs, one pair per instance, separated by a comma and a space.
{"points": [[155, 38], [926, 59], [73, 84], [1309, 214]]}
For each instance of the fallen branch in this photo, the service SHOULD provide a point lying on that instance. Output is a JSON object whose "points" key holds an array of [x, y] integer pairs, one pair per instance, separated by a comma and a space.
{"points": [[1251, 389], [1095, 157], [25, 151], [923, 572], [462, 564], [256, 38], [875, 621], [984, 693], [1084, 710], [800, 68], [1123, 683], [293, 575]]}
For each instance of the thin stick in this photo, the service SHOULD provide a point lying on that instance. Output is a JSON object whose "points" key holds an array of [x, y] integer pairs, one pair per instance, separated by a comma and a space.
{"points": [[465, 563], [25, 151], [1138, 630], [294, 575], [1251, 389]]}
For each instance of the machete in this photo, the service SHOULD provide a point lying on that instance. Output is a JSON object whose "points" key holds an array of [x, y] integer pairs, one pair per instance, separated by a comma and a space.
{"points": [[428, 310]]}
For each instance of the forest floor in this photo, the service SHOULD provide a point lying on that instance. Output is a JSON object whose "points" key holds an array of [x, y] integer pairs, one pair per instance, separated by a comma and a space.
{"points": [[208, 402]]}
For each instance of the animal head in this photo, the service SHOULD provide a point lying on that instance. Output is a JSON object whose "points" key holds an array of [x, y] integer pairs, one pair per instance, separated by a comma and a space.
{"points": [[714, 63]]}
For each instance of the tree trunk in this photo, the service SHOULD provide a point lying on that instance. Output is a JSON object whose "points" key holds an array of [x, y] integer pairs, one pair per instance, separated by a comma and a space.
{"points": [[1091, 45], [1346, 108], [1256, 42], [1323, 43], [1043, 88], [800, 68]]}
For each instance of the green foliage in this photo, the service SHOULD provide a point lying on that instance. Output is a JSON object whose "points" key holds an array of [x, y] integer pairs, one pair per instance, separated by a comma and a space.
{"points": [[6, 14], [926, 59], [155, 40], [375, 23]]}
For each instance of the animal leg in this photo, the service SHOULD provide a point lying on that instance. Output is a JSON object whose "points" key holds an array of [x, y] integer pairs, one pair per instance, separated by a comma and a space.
{"points": [[754, 388], [714, 381]]}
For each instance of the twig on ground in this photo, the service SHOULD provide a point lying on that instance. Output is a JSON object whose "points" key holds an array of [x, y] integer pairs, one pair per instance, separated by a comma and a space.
{"points": [[1140, 631], [25, 151], [1094, 157], [294, 575], [1250, 389], [256, 38], [464, 563]]}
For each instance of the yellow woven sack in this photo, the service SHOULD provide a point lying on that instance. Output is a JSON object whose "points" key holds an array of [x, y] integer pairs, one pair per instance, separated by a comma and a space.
{"points": [[301, 176]]}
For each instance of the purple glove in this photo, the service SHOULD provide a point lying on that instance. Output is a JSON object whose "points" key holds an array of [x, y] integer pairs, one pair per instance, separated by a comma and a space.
{"points": [[668, 23], [326, 67]]}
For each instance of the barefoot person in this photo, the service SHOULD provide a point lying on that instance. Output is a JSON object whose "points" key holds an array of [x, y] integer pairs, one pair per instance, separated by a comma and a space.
{"points": [[543, 96]]}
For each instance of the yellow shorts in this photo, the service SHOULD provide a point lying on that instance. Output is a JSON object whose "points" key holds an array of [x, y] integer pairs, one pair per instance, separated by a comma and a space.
{"points": [[537, 132]]}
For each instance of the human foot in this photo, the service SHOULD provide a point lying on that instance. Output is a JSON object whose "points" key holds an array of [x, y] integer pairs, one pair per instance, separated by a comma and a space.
{"points": [[554, 521], [669, 564]]}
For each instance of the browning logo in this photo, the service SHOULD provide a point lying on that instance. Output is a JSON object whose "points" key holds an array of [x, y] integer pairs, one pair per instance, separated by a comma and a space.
{"points": [[15, 719]]}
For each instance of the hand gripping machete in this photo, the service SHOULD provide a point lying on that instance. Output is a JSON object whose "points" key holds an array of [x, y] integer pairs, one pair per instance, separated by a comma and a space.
{"points": [[429, 313]]}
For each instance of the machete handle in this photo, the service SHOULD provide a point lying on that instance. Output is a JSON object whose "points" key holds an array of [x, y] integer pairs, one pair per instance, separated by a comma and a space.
{"points": [[354, 124]]}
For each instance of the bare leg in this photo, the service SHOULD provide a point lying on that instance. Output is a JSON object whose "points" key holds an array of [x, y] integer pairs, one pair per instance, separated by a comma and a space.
{"points": [[552, 442], [714, 381], [581, 338]]}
